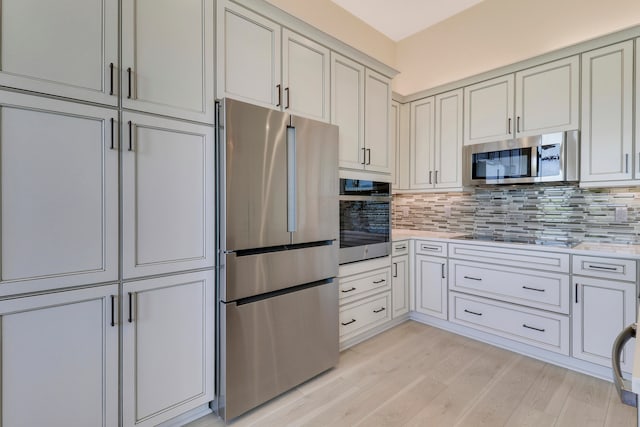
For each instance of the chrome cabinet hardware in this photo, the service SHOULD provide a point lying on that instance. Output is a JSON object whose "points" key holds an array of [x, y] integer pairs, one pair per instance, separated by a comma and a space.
{"points": [[472, 312], [347, 323], [601, 267], [379, 310], [524, 325], [533, 289], [429, 248]]}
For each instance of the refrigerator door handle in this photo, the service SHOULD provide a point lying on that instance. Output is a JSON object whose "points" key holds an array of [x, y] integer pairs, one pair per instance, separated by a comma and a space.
{"points": [[623, 387], [291, 180]]}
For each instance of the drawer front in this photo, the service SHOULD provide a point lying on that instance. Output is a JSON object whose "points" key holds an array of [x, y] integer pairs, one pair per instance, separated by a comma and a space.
{"points": [[548, 291], [361, 316], [428, 247], [541, 329], [400, 247], [606, 268], [360, 285], [513, 257]]}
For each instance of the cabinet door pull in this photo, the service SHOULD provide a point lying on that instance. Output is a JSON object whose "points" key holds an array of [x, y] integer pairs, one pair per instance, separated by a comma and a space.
{"points": [[509, 125], [347, 323], [130, 135], [379, 310], [369, 152], [130, 319], [398, 248], [435, 180], [473, 278], [601, 267], [113, 310], [442, 271], [364, 156], [129, 79], [112, 136], [279, 95], [576, 293], [111, 79], [524, 325], [430, 173], [379, 281], [472, 312], [344, 291], [395, 269], [288, 97], [626, 163], [533, 289], [518, 124], [429, 248]]}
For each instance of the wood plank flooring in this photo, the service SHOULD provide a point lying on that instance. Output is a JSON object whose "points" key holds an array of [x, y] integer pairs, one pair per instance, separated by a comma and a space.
{"points": [[417, 375]]}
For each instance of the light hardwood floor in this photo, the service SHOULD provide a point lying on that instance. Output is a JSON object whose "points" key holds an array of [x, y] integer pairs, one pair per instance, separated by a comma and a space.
{"points": [[417, 375]]}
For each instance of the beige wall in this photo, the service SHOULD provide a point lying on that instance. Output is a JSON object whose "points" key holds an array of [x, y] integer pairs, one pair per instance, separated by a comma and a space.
{"points": [[337, 22], [495, 33]]}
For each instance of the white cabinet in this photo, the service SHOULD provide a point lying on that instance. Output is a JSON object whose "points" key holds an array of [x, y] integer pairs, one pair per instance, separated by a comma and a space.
{"points": [[167, 195], [60, 359], [59, 193], [167, 58], [395, 144], [607, 115], [65, 48], [262, 63], [436, 142], [167, 339], [546, 100], [347, 108], [431, 286], [400, 285], [377, 117]]}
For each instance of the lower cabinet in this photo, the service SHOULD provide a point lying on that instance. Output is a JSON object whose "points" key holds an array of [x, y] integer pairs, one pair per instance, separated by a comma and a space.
{"points": [[400, 285], [601, 310], [59, 359], [359, 317], [168, 354], [431, 286]]}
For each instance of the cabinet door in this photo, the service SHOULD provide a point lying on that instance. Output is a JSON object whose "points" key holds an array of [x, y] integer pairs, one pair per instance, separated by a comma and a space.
{"points": [[431, 286], [67, 48], [377, 102], [607, 113], [422, 135], [400, 285], [167, 347], [59, 355], [488, 111], [547, 98], [305, 77], [163, 73], [601, 310], [347, 109], [248, 49], [395, 144], [167, 196], [448, 140], [59, 194]]}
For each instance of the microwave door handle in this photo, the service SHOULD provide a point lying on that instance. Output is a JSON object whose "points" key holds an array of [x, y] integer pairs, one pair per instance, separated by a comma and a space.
{"points": [[535, 161], [291, 180]]}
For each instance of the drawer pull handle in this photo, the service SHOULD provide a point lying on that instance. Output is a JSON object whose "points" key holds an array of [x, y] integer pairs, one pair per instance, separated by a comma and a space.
{"points": [[344, 291], [348, 323], [395, 269], [524, 325], [601, 267], [379, 281], [398, 248], [379, 310], [429, 248], [472, 312], [472, 278], [533, 289]]}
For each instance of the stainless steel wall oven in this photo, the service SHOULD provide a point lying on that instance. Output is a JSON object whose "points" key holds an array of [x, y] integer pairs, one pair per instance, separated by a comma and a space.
{"points": [[365, 219]]}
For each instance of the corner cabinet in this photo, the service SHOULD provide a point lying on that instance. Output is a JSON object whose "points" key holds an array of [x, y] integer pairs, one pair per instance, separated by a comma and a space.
{"points": [[537, 100], [607, 152], [262, 63], [60, 359], [431, 278]]}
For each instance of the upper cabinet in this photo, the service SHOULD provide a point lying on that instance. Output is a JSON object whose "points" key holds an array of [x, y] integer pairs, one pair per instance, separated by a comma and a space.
{"points": [[538, 100], [607, 114], [162, 73], [377, 118], [67, 49], [262, 63], [395, 144], [400, 114]]}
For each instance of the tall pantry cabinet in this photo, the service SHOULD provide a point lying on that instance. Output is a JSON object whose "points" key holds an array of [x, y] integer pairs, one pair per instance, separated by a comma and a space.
{"points": [[81, 178]]}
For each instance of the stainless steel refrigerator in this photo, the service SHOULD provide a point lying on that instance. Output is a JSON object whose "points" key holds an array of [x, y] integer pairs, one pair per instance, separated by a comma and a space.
{"points": [[278, 253]]}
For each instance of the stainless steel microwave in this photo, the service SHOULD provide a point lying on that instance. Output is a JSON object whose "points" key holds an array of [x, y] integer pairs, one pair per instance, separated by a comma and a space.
{"points": [[552, 157]]}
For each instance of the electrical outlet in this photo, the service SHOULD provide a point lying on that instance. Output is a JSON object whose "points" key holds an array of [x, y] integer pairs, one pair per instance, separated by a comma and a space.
{"points": [[621, 213]]}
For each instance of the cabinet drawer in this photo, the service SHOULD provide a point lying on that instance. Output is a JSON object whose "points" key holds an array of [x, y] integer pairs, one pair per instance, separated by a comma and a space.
{"points": [[606, 268], [549, 291], [360, 285], [428, 247], [541, 329], [400, 247], [524, 258], [360, 316]]}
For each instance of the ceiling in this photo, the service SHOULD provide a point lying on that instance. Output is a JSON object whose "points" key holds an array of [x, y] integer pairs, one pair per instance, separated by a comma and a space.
{"points": [[399, 19]]}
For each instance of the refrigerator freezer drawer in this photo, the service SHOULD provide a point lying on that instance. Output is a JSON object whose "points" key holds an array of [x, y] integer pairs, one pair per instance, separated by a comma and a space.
{"points": [[277, 343], [251, 275]]}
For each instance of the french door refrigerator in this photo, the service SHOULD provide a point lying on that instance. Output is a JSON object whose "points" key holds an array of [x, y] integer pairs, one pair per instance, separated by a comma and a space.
{"points": [[278, 253]]}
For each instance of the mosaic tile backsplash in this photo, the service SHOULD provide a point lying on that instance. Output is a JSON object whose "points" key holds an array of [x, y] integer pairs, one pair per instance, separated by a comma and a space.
{"points": [[549, 212]]}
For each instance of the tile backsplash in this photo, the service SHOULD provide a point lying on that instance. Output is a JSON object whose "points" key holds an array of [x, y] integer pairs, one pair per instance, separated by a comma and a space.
{"points": [[555, 212]]}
